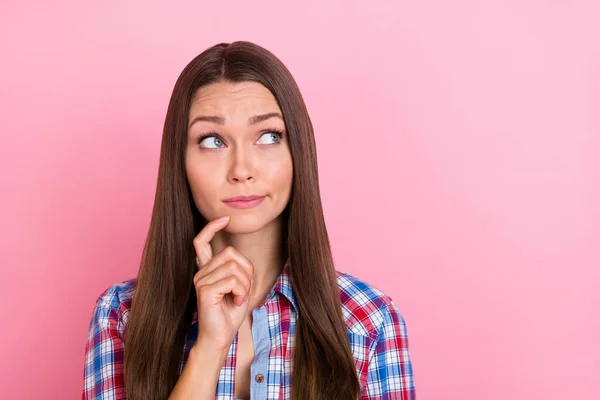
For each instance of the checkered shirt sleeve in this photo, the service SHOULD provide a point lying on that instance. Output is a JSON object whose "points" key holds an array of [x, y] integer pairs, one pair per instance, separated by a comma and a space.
{"points": [[390, 374], [103, 371]]}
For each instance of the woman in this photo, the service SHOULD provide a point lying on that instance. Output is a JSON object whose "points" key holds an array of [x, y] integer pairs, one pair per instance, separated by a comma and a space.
{"points": [[237, 274]]}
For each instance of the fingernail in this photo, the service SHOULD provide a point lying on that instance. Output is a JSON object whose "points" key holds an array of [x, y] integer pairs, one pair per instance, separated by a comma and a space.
{"points": [[223, 219]]}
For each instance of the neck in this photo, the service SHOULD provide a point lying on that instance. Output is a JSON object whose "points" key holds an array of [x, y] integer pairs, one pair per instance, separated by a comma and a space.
{"points": [[264, 249]]}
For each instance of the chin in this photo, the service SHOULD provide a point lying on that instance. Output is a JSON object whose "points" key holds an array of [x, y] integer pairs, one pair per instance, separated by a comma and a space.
{"points": [[239, 224]]}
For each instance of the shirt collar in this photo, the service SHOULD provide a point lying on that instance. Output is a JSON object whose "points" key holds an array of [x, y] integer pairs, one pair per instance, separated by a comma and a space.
{"points": [[283, 285]]}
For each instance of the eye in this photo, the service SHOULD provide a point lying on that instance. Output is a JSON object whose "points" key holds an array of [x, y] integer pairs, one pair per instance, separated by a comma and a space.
{"points": [[211, 142], [271, 137]]}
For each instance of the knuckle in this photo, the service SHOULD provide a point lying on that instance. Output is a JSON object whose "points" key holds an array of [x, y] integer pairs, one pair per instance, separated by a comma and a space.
{"points": [[229, 250], [230, 266], [199, 246]]}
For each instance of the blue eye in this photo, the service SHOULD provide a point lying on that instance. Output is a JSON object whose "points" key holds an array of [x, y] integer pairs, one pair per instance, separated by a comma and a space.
{"points": [[271, 137], [210, 142]]}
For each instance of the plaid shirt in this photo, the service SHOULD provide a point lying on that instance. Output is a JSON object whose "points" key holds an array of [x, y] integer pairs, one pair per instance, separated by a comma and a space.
{"points": [[376, 330]]}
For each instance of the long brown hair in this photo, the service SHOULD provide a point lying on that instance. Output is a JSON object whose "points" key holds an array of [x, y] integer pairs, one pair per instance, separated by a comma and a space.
{"points": [[165, 299]]}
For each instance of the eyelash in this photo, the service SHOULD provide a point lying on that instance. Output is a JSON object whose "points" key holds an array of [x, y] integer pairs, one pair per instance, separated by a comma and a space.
{"points": [[215, 134]]}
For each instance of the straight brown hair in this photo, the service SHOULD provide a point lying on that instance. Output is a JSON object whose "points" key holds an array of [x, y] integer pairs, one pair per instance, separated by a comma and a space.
{"points": [[165, 298]]}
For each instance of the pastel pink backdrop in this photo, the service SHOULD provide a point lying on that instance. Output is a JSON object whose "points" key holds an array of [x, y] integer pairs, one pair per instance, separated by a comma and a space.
{"points": [[458, 149]]}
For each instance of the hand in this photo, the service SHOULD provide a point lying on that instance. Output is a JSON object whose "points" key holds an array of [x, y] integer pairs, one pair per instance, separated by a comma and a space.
{"points": [[222, 286]]}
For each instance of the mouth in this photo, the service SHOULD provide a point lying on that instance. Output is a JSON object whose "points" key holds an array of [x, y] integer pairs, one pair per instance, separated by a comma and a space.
{"points": [[243, 198], [244, 201]]}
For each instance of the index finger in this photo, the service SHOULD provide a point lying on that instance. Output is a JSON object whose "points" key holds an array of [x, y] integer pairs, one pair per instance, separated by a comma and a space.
{"points": [[202, 240]]}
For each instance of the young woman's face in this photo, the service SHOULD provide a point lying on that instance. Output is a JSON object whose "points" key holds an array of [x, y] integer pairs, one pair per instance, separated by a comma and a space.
{"points": [[235, 148]]}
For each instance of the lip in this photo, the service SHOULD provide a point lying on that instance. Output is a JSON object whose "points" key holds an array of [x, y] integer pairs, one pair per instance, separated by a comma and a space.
{"points": [[243, 198], [244, 201]]}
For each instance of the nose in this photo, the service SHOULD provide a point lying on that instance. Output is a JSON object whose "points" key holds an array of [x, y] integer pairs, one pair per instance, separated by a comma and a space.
{"points": [[242, 178], [242, 167]]}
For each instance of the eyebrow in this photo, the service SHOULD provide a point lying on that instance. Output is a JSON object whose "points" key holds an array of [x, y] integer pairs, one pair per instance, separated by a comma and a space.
{"points": [[251, 121]]}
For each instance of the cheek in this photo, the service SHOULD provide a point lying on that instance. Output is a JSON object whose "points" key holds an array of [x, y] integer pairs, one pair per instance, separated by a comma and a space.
{"points": [[282, 175], [203, 185]]}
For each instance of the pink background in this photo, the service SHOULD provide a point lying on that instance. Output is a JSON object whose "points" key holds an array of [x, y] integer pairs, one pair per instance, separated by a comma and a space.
{"points": [[458, 145]]}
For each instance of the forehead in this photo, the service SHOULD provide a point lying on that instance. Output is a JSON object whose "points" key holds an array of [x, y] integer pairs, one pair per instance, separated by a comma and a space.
{"points": [[229, 99]]}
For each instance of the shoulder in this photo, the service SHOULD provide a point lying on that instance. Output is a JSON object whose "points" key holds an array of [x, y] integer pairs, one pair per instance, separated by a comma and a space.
{"points": [[114, 302], [365, 308]]}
